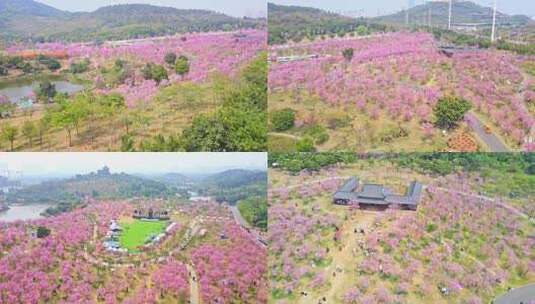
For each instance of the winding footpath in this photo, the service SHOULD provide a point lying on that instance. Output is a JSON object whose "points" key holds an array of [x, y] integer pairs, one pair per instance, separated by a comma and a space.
{"points": [[489, 199], [286, 135], [194, 290]]}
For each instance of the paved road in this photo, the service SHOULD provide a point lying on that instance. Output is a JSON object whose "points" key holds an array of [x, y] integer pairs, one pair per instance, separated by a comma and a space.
{"points": [[524, 294], [238, 218], [243, 223], [492, 141]]}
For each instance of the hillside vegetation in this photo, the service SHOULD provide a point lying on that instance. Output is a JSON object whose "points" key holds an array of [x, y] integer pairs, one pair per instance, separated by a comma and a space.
{"points": [[27, 19], [295, 23], [66, 194], [232, 186], [463, 12]]}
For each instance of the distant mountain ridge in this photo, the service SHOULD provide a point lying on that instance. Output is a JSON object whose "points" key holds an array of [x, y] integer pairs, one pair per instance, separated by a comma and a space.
{"points": [[294, 23], [463, 12], [29, 7], [236, 178], [101, 184], [28, 19]]}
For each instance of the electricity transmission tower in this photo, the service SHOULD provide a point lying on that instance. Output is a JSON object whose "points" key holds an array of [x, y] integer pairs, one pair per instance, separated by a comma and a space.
{"points": [[493, 34], [449, 15]]}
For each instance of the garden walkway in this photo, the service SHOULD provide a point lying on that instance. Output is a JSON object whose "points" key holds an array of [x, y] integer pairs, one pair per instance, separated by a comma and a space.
{"points": [[194, 290]]}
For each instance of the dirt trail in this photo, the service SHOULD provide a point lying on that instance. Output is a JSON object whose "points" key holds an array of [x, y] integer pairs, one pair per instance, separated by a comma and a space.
{"points": [[95, 233], [489, 199], [343, 263], [312, 182], [194, 290], [285, 135]]}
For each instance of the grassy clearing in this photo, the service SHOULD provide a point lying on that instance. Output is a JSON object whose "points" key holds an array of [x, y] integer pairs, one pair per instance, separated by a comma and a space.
{"points": [[135, 233], [349, 129], [279, 143]]}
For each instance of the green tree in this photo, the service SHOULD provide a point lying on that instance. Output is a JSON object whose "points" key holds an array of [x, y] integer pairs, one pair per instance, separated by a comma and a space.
{"points": [[53, 65], [79, 67], [114, 102], [42, 232], [10, 133], [305, 145], [146, 71], [254, 211], [182, 65], [241, 123], [29, 130], [348, 54], [79, 108], [170, 58], [450, 110], [46, 91], [127, 143], [362, 30], [283, 120], [255, 76], [42, 127], [6, 106], [155, 72], [67, 115], [159, 73]]}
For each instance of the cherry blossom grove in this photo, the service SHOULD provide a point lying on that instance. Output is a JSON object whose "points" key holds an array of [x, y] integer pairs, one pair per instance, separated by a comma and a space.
{"points": [[221, 52], [404, 75], [71, 266], [458, 247]]}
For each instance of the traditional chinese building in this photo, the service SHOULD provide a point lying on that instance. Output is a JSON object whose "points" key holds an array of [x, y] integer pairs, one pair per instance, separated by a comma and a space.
{"points": [[352, 193], [151, 214]]}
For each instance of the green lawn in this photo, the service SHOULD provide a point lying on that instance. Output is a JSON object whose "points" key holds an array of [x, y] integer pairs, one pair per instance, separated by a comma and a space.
{"points": [[136, 233], [277, 143]]}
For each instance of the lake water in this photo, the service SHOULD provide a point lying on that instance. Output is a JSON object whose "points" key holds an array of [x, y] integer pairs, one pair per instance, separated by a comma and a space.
{"points": [[26, 212], [19, 90]]}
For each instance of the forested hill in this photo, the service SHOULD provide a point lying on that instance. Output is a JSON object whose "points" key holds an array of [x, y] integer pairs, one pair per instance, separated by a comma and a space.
{"points": [[28, 19], [235, 178], [294, 23], [463, 12], [103, 185], [234, 185]]}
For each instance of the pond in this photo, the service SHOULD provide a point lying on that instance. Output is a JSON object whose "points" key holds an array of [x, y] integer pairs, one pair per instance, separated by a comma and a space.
{"points": [[23, 212], [21, 89]]}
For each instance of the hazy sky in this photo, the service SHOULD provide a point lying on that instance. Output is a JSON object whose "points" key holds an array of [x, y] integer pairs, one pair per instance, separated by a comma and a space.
{"points": [[371, 8], [32, 164], [238, 8]]}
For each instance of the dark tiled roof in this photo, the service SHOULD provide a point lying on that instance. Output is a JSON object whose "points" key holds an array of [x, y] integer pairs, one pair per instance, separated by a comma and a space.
{"points": [[372, 191], [350, 185], [378, 194]]}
